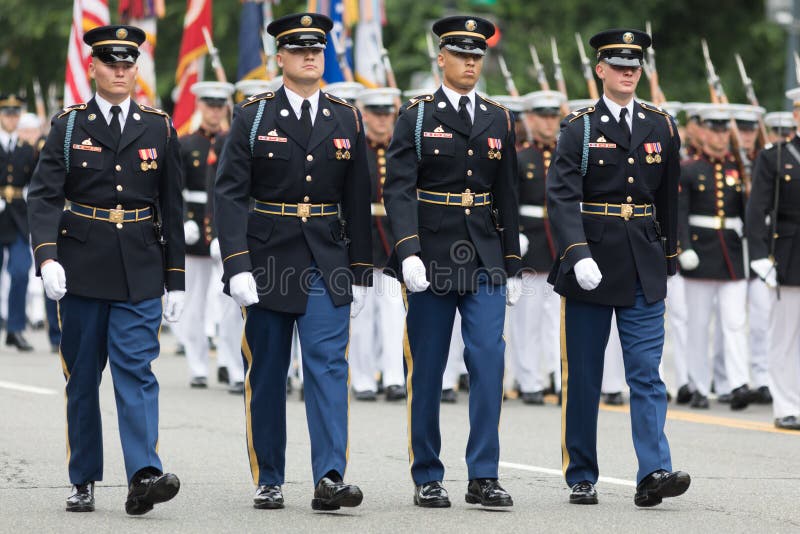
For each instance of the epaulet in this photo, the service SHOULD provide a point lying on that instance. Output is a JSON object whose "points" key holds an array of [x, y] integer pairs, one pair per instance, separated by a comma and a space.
{"points": [[148, 109], [70, 109], [492, 102], [255, 98], [654, 109], [417, 99], [580, 113], [338, 100]]}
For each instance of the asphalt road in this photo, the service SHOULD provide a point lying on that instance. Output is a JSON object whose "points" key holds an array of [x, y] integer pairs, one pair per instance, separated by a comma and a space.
{"points": [[745, 474]]}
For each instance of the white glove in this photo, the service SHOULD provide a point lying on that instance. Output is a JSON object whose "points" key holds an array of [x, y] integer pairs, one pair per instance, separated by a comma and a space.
{"points": [[414, 274], [524, 243], [54, 279], [765, 270], [173, 305], [359, 298], [2, 205], [243, 289], [688, 260], [588, 274], [213, 249], [191, 232], [513, 289]]}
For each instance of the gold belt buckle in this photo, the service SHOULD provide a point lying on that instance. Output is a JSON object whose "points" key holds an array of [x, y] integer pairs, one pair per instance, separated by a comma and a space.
{"points": [[626, 211], [467, 199], [116, 216], [720, 222], [304, 210], [8, 193]]}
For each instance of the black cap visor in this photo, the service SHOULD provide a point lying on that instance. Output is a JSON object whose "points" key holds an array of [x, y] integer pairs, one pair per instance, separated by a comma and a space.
{"points": [[547, 112], [621, 57], [214, 102], [116, 54], [716, 125], [303, 40], [464, 45]]}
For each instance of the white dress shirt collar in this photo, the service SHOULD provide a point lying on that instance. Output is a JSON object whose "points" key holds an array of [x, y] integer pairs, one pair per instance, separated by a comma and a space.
{"points": [[615, 108], [296, 101], [8, 140], [105, 109], [454, 97]]}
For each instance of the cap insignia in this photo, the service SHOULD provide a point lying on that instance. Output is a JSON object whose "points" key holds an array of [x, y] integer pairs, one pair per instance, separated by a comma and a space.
{"points": [[122, 33], [305, 20], [470, 25], [627, 37]]}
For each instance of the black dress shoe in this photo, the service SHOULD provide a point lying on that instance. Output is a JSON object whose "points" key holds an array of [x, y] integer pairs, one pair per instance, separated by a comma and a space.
{"points": [[724, 398], [148, 489], [82, 498], [487, 492], [533, 397], [180, 350], [268, 498], [761, 395], [684, 395], [449, 396], [699, 401], [366, 395], [330, 495], [211, 345], [659, 485], [740, 398], [237, 388], [54, 349], [583, 493], [222, 375], [431, 495], [199, 382], [613, 399], [790, 422], [16, 339], [288, 386], [463, 382], [395, 392]]}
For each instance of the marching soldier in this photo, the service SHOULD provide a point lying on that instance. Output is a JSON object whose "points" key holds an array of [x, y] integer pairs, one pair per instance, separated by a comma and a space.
{"points": [[780, 125], [777, 261], [108, 259], [711, 205], [199, 153], [693, 129], [452, 202], [612, 194], [376, 343], [19, 159], [301, 255], [534, 319]]}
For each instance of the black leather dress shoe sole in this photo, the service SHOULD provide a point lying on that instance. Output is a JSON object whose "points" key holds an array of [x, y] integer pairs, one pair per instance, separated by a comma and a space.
{"points": [[80, 507], [472, 498], [267, 504], [436, 502], [349, 498], [162, 490], [583, 499], [674, 485]]}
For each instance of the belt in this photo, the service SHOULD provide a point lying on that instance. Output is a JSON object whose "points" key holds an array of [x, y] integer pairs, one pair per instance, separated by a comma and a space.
{"points": [[626, 211], [11, 192], [716, 223], [528, 210], [296, 210], [197, 197], [465, 199], [378, 209], [110, 215]]}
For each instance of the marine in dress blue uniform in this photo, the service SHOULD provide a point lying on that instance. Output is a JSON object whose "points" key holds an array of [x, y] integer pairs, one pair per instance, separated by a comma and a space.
{"points": [[18, 158], [451, 200], [300, 255], [108, 257], [612, 199]]}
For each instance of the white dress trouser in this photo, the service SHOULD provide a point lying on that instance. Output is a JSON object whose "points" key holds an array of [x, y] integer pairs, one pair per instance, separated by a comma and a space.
{"points": [[703, 298], [455, 358], [192, 322], [784, 352], [759, 305], [229, 339], [676, 323], [613, 364]]}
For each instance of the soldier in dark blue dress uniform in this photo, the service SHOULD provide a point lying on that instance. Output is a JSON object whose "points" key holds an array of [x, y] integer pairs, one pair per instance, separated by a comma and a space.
{"points": [[108, 259], [612, 199], [451, 199], [292, 212]]}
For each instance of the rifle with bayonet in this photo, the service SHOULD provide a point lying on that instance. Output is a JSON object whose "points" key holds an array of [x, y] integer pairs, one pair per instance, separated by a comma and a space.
{"points": [[511, 87], [41, 111], [341, 55], [588, 75], [763, 139], [391, 80], [559, 77], [650, 70], [539, 72], [268, 43], [214, 53], [432, 56]]}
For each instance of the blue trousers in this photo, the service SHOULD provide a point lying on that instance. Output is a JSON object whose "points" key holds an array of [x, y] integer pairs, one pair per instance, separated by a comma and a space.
{"points": [[18, 267], [126, 334], [429, 324], [584, 335], [266, 348]]}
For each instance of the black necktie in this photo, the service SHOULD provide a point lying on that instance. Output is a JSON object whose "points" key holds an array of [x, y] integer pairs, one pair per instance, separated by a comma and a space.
{"points": [[305, 120], [116, 126], [462, 110], [623, 123]]}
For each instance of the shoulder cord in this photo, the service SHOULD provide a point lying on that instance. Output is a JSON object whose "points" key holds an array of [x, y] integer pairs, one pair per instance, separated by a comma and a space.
{"points": [[256, 123], [418, 129], [68, 137], [585, 153]]}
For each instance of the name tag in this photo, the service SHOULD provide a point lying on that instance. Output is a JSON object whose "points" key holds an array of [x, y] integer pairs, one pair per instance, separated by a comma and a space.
{"points": [[602, 145], [444, 135], [90, 148], [272, 138]]}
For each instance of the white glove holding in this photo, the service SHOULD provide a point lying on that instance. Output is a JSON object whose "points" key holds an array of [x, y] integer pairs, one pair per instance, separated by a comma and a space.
{"points": [[588, 274], [243, 289], [414, 274], [524, 243], [173, 305], [54, 279], [688, 260], [513, 289], [359, 299], [191, 232], [213, 249], [765, 270], [2, 205]]}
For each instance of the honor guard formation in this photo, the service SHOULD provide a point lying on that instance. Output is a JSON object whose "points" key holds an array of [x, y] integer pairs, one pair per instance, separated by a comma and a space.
{"points": [[341, 239]]}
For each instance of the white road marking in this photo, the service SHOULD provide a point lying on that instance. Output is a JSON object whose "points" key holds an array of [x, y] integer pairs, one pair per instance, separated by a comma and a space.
{"points": [[558, 473], [27, 389]]}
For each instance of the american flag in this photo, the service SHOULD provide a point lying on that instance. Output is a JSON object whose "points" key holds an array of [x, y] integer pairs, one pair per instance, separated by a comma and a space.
{"points": [[143, 14], [86, 14], [193, 48]]}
